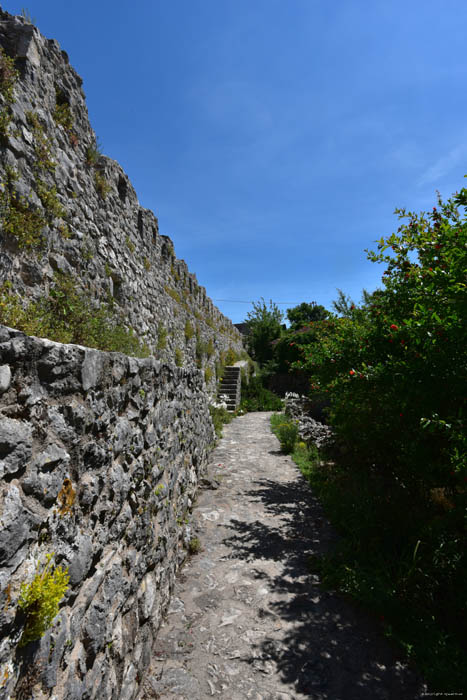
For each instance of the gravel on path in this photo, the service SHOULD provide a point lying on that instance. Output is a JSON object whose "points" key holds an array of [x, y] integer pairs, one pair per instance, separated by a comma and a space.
{"points": [[247, 618]]}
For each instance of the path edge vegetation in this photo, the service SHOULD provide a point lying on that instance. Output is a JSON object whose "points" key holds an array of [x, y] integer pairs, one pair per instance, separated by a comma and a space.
{"points": [[392, 372]]}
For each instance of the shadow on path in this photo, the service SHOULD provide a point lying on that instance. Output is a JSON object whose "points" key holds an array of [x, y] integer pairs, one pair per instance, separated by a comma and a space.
{"points": [[248, 620], [332, 650]]}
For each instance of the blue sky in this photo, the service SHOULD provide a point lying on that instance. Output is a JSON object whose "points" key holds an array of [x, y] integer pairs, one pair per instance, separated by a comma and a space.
{"points": [[274, 138]]}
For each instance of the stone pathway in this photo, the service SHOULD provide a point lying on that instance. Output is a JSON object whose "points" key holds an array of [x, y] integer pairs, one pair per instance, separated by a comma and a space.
{"points": [[247, 619]]}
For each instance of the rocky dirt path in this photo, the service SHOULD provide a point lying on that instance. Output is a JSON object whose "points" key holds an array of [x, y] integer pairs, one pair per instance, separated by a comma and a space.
{"points": [[247, 619]]}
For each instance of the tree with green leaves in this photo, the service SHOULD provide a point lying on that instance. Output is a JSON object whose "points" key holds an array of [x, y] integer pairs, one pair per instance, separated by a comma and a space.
{"points": [[306, 313], [264, 324]]}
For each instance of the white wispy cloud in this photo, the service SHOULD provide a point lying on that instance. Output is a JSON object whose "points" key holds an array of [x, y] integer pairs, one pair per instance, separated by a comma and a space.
{"points": [[444, 165]]}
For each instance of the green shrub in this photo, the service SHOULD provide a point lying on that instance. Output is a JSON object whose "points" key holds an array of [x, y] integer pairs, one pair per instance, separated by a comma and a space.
{"points": [[189, 331], [230, 357], [67, 315], [194, 545], [394, 369], [19, 218], [208, 374], [286, 432], [219, 417], [40, 599], [255, 397], [178, 357]]}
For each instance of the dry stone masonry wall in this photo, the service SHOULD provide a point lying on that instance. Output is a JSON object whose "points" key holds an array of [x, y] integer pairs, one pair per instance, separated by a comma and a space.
{"points": [[100, 455], [84, 215]]}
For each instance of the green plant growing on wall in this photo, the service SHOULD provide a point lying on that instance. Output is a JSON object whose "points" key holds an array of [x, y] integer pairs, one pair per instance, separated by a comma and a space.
{"points": [[50, 201], [66, 498], [129, 244], [219, 417], [174, 294], [40, 599], [208, 374], [67, 315], [178, 357], [194, 545], [161, 336], [102, 186], [18, 218], [147, 264], [8, 78], [174, 273], [189, 331], [44, 160], [200, 350], [93, 153], [62, 111]]}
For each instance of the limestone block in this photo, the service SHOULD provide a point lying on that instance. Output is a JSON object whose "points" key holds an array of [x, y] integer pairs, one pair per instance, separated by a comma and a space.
{"points": [[5, 378]]}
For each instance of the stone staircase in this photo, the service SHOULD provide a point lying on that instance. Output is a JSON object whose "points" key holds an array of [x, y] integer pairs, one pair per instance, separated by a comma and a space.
{"points": [[231, 387]]}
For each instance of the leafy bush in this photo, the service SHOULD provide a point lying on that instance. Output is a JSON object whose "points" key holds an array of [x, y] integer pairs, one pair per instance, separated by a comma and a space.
{"points": [[40, 600], [395, 371], [264, 326], [286, 432], [20, 219], [255, 397]]}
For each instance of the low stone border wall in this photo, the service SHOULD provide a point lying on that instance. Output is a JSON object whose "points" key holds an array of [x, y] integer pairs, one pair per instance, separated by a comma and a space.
{"points": [[100, 455], [298, 408]]}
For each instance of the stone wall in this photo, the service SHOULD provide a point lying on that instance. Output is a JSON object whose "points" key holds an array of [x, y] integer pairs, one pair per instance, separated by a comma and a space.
{"points": [[100, 455], [90, 225]]}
